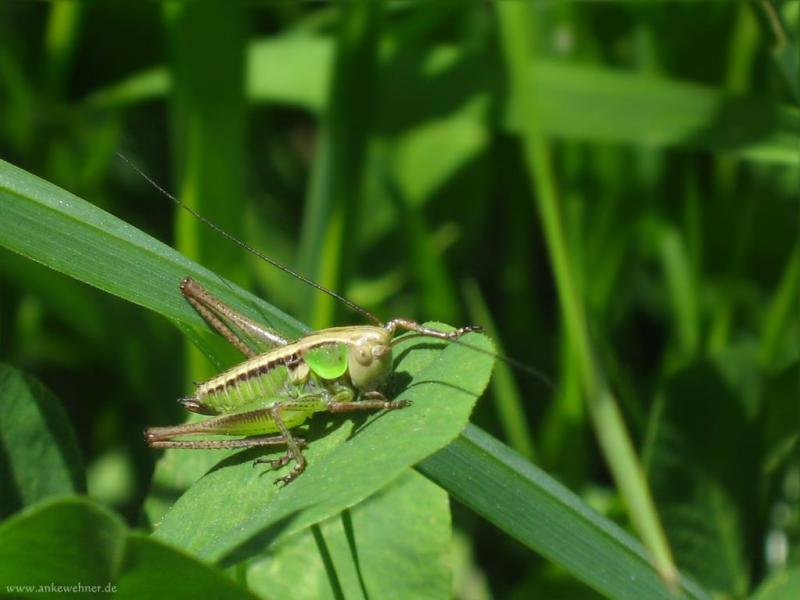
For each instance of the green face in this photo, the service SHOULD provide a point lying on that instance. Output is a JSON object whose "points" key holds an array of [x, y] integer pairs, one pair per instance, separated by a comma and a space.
{"points": [[369, 360]]}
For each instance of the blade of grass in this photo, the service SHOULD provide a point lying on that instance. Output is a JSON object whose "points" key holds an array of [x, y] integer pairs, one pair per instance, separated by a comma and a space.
{"points": [[59, 230], [582, 102], [60, 43], [780, 310], [669, 246], [743, 51], [510, 409], [563, 439], [784, 45], [436, 293], [326, 247], [534, 508], [517, 32], [207, 120], [207, 126]]}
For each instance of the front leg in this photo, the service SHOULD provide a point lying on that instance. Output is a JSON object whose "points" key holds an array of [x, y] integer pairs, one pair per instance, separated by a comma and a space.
{"points": [[376, 401]]}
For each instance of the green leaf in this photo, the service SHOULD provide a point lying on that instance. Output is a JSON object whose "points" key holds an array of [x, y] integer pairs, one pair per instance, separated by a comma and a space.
{"points": [[508, 400], [207, 135], [151, 569], [702, 462], [398, 539], [531, 506], [520, 33], [419, 163], [293, 70], [405, 549], [72, 542], [39, 454], [334, 195], [587, 102], [53, 227], [64, 542], [575, 101], [781, 585], [234, 512]]}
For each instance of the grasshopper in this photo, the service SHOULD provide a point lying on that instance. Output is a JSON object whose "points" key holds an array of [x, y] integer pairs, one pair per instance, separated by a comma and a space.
{"points": [[340, 369], [336, 370]]}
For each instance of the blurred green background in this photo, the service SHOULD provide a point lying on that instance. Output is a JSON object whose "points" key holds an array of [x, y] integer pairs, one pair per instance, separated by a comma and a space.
{"points": [[637, 200]]}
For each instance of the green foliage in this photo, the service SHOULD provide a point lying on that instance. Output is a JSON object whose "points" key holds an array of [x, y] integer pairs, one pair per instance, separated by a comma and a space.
{"points": [[527, 504], [611, 186], [40, 454], [74, 542], [370, 549]]}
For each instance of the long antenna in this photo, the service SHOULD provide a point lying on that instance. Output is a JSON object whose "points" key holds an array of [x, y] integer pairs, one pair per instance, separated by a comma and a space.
{"points": [[349, 303], [536, 373], [540, 376]]}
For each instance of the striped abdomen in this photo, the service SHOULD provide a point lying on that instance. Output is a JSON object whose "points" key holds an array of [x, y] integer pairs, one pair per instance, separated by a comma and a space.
{"points": [[273, 375]]}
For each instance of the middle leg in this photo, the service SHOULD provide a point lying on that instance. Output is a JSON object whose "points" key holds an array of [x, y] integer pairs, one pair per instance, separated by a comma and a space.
{"points": [[293, 451]]}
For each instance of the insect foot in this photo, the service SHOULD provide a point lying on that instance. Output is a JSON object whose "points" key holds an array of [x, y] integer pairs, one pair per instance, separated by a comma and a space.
{"points": [[398, 404], [409, 325], [274, 463], [468, 329], [283, 460], [287, 479]]}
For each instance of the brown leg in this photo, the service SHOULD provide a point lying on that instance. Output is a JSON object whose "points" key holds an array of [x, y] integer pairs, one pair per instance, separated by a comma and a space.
{"points": [[221, 328], [380, 402], [218, 315], [251, 442]]}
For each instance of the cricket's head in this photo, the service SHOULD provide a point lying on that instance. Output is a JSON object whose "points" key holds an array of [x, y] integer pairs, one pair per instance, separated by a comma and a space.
{"points": [[369, 358], [370, 349]]}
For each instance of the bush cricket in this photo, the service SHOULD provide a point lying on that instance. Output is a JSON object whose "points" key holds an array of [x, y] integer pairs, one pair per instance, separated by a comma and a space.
{"points": [[339, 369]]}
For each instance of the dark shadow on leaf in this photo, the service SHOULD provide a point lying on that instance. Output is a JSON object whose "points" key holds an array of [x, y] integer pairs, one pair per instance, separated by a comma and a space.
{"points": [[397, 384], [10, 501], [452, 386], [262, 540], [420, 346], [166, 493]]}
